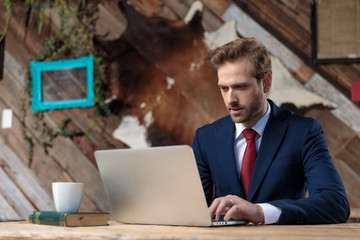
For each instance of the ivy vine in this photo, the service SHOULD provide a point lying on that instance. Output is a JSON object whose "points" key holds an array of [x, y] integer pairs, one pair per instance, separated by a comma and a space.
{"points": [[72, 40]]}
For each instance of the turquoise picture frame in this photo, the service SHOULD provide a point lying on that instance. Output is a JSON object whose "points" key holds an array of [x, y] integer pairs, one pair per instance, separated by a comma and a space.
{"points": [[53, 75]]}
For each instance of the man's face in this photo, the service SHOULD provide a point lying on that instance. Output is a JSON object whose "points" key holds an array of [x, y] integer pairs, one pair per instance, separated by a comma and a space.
{"points": [[243, 96]]}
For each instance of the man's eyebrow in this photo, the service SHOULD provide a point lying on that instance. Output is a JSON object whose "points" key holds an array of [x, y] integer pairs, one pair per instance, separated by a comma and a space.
{"points": [[234, 85], [239, 85]]}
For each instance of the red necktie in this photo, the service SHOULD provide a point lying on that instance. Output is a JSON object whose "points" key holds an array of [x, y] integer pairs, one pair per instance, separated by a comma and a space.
{"points": [[249, 158]]}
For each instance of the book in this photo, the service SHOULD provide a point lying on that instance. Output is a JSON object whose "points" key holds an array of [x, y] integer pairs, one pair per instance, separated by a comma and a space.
{"points": [[69, 219]]}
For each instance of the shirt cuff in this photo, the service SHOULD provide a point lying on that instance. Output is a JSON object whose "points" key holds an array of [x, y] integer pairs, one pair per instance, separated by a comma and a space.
{"points": [[271, 213]]}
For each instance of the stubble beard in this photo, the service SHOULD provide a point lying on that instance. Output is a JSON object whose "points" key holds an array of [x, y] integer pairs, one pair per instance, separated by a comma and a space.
{"points": [[249, 114]]}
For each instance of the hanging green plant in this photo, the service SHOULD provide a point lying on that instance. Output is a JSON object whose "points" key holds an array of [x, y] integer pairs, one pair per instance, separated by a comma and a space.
{"points": [[72, 40], [35, 10]]}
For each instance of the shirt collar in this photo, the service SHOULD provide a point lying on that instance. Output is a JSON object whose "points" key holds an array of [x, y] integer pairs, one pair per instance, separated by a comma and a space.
{"points": [[258, 127]]}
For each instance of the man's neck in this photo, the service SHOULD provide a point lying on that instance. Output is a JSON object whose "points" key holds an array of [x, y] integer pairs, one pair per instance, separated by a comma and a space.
{"points": [[259, 126]]}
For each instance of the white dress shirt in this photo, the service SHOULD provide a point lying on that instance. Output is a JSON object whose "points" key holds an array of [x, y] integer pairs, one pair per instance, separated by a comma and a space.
{"points": [[271, 213]]}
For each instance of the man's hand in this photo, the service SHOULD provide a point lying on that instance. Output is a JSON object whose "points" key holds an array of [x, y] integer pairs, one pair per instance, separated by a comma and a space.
{"points": [[236, 208]]}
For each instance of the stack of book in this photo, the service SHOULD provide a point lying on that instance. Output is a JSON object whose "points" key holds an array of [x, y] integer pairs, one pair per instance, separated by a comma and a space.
{"points": [[69, 219]]}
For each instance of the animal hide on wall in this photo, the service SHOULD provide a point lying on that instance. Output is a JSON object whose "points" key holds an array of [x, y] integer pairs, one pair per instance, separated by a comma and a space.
{"points": [[158, 70]]}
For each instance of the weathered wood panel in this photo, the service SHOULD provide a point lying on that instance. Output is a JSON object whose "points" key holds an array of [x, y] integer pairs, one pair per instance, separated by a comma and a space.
{"points": [[7, 211], [351, 154], [110, 22], [87, 126], [290, 21], [17, 168], [351, 180], [347, 111], [12, 137], [99, 129], [15, 196], [44, 167], [336, 133], [16, 34], [10, 94]]}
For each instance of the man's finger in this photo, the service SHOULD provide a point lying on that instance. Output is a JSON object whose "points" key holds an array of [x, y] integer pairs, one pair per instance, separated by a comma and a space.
{"points": [[222, 208], [233, 213], [213, 207]]}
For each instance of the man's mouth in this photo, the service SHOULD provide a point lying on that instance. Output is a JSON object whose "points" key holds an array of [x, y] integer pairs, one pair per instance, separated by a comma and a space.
{"points": [[236, 111]]}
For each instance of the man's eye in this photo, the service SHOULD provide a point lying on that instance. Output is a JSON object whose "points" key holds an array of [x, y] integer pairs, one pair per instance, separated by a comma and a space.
{"points": [[240, 87], [223, 89]]}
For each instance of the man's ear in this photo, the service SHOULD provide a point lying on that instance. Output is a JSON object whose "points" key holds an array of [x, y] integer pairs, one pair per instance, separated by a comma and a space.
{"points": [[267, 81]]}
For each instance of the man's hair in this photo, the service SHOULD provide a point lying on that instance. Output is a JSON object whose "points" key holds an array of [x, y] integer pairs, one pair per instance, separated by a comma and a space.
{"points": [[257, 53]]}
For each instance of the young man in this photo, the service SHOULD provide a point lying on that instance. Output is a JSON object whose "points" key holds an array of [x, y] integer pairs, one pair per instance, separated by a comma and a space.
{"points": [[264, 178]]}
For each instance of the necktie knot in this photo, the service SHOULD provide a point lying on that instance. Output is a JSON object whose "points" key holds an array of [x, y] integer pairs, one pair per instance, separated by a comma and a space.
{"points": [[249, 134]]}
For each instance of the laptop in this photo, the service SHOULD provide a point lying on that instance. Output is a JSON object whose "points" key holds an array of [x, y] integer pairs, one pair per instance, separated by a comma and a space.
{"points": [[158, 185]]}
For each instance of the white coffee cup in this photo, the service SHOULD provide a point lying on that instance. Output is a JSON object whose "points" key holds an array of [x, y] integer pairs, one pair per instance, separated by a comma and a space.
{"points": [[67, 196]]}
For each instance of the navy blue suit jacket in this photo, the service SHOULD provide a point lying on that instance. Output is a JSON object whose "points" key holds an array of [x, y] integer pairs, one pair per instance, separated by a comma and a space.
{"points": [[293, 157]]}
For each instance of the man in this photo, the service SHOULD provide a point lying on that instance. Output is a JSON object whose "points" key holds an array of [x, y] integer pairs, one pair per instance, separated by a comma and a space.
{"points": [[264, 179]]}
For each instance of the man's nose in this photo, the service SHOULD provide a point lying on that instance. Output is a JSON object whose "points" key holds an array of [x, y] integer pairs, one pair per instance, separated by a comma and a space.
{"points": [[231, 97]]}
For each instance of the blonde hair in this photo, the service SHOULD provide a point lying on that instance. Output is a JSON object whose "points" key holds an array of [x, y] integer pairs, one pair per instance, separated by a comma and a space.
{"points": [[257, 53]]}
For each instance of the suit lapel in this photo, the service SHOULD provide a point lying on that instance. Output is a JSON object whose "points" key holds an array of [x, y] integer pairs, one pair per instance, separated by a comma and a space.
{"points": [[225, 145], [273, 134]]}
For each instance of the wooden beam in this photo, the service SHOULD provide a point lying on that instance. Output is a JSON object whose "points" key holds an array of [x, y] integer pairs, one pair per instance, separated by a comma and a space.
{"points": [[25, 180], [351, 154], [7, 212], [290, 20], [351, 181], [347, 111], [22, 205]]}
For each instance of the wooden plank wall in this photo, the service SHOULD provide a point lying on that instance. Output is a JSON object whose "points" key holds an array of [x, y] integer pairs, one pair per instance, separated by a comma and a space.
{"points": [[66, 160], [23, 188], [290, 21]]}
